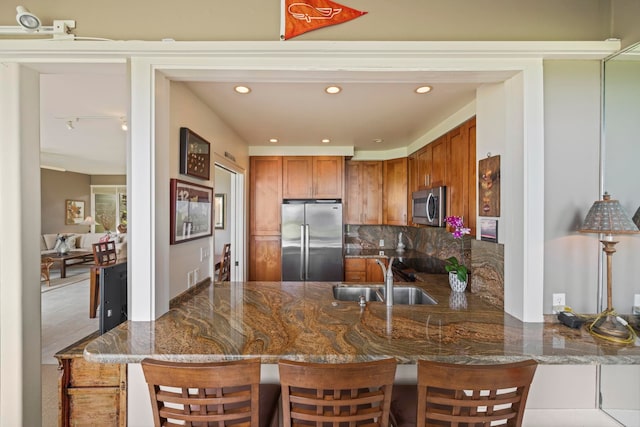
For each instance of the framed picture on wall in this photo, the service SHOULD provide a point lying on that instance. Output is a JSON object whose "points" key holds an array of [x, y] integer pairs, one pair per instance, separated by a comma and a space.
{"points": [[191, 211], [194, 154], [74, 212], [489, 230]]}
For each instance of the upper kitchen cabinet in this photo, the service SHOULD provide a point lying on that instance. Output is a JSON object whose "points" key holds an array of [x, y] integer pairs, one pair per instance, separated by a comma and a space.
{"points": [[395, 191], [312, 177], [461, 172], [265, 195], [363, 192], [449, 161], [431, 164]]}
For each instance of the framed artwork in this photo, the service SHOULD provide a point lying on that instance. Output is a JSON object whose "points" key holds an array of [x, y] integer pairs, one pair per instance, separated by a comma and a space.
{"points": [[190, 211], [489, 230], [74, 212], [489, 186], [194, 154], [219, 208]]}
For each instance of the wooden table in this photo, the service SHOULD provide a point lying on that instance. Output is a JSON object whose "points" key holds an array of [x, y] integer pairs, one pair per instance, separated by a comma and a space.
{"points": [[70, 258]]}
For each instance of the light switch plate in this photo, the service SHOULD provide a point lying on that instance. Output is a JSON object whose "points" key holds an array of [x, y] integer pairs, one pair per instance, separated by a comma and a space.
{"points": [[381, 242]]}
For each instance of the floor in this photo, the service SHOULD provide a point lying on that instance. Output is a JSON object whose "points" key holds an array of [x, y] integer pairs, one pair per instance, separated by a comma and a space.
{"points": [[65, 320]]}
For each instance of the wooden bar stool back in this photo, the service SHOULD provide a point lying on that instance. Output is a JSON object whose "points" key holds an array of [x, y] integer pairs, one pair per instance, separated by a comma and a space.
{"points": [[470, 395], [218, 393], [224, 274], [104, 253], [346, 394]]}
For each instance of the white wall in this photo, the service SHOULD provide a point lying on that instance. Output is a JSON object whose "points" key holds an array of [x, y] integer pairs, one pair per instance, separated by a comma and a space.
{"points": [[187, 110], [572, 135]]}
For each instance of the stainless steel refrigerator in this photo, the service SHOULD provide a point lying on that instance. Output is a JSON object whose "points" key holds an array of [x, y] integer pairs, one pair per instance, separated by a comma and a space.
{"points": [[312, 240]]}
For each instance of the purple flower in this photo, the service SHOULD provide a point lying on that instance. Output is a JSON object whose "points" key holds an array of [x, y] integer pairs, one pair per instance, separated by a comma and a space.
{"points": [[459, 230]]}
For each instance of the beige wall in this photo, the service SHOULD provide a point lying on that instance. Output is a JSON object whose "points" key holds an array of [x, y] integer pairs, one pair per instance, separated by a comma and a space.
{"points": [[57, 187], [386, 20]]}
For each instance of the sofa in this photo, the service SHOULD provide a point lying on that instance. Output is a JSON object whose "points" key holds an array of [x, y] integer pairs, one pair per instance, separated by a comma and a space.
{"points": [[82, 242]]}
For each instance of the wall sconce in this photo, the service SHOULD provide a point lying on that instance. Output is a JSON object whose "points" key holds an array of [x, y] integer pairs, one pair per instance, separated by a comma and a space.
{"points": [[123, 124], [607, 217], [70, 125], [30, 24]]}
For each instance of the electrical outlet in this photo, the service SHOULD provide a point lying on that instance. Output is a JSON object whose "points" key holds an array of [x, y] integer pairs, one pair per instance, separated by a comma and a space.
{"points": [[381, 242], [636, 305], [189, 279], [558, 303]]}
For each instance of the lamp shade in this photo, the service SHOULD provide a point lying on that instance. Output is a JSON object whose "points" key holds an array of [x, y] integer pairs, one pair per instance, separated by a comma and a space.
{"points": [[607, 216]]}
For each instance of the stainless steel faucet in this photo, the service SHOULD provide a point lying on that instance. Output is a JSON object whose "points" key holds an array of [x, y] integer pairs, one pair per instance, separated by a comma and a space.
{"points": [[388, 281]]}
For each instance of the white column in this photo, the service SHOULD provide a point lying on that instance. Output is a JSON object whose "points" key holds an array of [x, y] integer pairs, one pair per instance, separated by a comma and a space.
{"points": [[20, 352]]}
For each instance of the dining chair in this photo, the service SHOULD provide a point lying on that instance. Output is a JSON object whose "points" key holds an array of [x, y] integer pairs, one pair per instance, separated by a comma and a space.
{"points": [[214, 393], [336, 393], [224, 273], [104, 253], [466, 395]]}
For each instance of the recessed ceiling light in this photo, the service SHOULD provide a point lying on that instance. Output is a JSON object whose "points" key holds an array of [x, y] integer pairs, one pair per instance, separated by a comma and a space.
{"points": [[242, 89], [273, 140], [378, 140], [423, 89], [326, 141], [332, 90]]}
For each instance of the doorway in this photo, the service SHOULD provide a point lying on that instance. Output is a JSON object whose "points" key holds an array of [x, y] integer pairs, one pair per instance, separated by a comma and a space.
{"points": [[229, 189]]}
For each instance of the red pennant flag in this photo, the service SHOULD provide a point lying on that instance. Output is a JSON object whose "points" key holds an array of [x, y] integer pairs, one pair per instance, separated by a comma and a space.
{"points": [[301, 16]]}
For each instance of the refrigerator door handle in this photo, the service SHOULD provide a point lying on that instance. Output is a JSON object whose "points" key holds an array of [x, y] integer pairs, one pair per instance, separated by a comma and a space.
{"points": [[302, 257], [306, 252]]}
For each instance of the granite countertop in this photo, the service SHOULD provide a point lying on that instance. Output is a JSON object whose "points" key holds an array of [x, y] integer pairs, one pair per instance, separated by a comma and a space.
{"points": [[303, 321]]}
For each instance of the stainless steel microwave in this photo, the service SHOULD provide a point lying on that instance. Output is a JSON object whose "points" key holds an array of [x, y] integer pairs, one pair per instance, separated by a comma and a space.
{"points": [[429, 206]]}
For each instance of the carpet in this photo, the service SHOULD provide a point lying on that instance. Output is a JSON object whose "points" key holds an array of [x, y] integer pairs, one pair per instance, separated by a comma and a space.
{"points": [[57, 282]]}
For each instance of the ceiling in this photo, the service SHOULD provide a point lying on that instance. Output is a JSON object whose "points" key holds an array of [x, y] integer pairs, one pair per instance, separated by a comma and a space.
{"points": [[375, 110]]}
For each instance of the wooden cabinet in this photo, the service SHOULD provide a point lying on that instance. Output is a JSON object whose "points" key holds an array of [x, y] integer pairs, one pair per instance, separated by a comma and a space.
{"points": [[90, 393], [265, 261], [363, 270], [461, 182], [363, 192], [265, 200], [317, 177], [431, 164], [395, 192], [450, 160]]}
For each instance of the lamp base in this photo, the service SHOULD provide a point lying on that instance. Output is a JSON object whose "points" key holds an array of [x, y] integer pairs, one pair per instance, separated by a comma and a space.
{"points": [[608, 327]]}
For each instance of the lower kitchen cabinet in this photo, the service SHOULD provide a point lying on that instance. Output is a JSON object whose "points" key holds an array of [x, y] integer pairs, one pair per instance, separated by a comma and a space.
{"points": [[363, 270], [90, 393], [265, 262]]}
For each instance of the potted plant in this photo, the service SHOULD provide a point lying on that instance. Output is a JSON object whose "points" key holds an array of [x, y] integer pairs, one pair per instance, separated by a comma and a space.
{"points": [[458, 272]]}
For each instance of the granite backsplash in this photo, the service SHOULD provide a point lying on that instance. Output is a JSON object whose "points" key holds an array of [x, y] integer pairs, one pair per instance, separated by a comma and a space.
{"points": [[485, 258]]}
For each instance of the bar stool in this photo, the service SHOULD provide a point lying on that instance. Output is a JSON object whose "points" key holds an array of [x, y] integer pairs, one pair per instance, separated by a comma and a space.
{"points": [[453, 394], [351, 393], [220, 393]]}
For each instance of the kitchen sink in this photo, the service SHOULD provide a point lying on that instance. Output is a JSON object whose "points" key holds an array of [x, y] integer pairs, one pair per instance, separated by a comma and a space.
{"points": [[353, 292], [402, 295]]}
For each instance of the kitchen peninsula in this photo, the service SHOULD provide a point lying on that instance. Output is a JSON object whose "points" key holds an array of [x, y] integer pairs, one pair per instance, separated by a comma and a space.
{"points": [[303, 321]]}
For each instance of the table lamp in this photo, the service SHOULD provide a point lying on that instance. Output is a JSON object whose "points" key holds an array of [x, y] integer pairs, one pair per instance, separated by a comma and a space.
{"points": [[607, 217]]}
